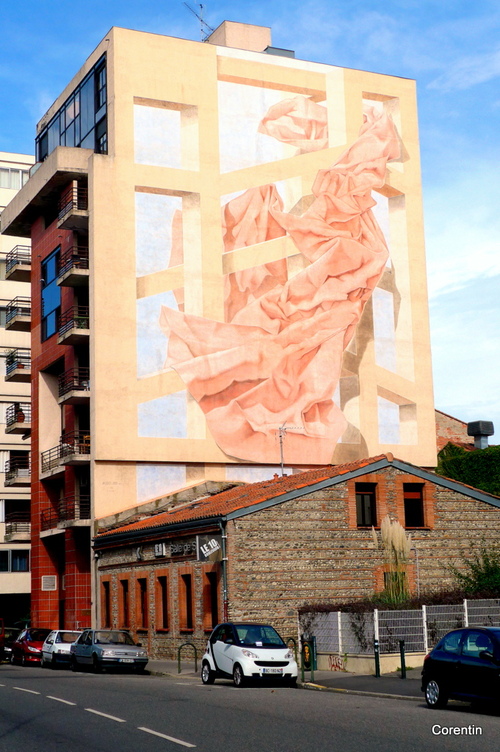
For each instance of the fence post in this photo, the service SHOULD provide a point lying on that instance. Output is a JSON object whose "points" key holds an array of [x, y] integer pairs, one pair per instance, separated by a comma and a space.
{"points": [[376, 649], [403, 659], [375, 625], [466, 613], [424, 621], [339, 622]]}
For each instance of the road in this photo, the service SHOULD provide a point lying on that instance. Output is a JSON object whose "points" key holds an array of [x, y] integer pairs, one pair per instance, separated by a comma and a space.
{"points": [[49, 711]]}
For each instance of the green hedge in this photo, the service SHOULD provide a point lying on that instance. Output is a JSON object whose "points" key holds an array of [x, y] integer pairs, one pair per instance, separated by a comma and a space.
{"points": [[480, 468]]}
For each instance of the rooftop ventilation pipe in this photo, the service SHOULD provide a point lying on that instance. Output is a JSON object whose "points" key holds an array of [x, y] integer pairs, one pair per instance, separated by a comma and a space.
{"points": [[480, 429]]}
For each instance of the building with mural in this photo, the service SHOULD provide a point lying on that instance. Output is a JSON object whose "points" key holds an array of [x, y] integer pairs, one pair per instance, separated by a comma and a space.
{"points": [[15, 407], [228, 278]]}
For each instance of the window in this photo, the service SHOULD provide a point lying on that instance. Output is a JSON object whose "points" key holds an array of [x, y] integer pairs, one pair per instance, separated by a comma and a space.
{"points": [[162, 603], [75, 122], [51, 295], [17, 560], [413, 494], [366, 506], [142, 602], [124, 604], [475, 643], [210, 600], [186, 602], [106, 604], [3, 316], [13, 178]]}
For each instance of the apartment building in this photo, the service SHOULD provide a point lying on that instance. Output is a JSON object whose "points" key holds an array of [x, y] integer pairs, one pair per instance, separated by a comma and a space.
{"points": [[15, 403], [228, 281]]}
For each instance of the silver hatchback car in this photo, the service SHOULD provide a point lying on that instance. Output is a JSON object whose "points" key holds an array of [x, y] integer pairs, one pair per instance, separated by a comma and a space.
{"points": [[107, 648]]}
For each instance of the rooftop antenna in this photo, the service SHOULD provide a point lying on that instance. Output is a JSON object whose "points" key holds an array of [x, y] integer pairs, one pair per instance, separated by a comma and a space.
{"points": [[282, 434], [205, 29]]}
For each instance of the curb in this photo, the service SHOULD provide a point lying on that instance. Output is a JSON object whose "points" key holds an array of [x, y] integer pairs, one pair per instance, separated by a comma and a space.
{"points": [[321, 688]]}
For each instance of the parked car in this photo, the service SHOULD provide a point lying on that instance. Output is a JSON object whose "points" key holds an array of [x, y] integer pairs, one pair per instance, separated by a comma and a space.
{"points": [[107, 648], [464, 665], [27, 647], [55, 649], [245, 651], [10, 634]]}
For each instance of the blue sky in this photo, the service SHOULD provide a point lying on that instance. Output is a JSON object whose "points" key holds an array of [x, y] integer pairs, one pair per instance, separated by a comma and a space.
{"points": [[451, 48]]}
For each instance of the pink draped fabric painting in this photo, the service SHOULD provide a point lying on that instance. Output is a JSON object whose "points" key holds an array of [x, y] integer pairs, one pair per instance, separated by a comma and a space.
{"points": [[277, 357]]}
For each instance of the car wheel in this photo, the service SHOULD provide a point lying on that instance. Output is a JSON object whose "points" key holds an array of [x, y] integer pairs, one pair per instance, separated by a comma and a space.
{"points": [[96, 665], [43, 662], [435, 696], [53, 662], [12, 659], [292, 682], [23, 660], [238, 676], [74, 664], [207, 675]]}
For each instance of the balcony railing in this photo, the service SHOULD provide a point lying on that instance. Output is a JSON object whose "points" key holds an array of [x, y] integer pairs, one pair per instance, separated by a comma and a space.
{"points": [[17, 523], [17, 359], [74, 318], [71, 444], [18, 468], [74, 197], [19, 412], [20, 306], [69, 509], [76, 257], [20, 255], [75, 379]]}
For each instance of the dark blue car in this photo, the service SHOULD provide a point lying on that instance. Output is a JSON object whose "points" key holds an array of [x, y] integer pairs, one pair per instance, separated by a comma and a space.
{"points": [[464, 665]]}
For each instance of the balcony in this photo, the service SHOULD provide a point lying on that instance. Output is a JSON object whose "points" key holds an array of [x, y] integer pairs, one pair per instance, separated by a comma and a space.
{"points": [[74, 387], [74, 326], [73, 268], [73, 449], [18, 314], [17, 527], [18, 471], [18, 418], [71, 511], [18, 365], [18, 264], [73, 208]]}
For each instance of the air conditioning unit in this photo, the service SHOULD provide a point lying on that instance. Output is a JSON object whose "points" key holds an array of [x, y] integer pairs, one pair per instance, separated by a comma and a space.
{"points": [[49, 582]]}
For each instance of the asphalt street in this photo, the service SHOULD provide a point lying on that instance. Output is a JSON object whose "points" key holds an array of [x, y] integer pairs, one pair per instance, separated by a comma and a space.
{"points": [[46, 711]]}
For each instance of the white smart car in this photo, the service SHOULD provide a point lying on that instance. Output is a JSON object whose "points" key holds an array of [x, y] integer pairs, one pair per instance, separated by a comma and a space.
{"points": [[244, 651], [55, 649]]}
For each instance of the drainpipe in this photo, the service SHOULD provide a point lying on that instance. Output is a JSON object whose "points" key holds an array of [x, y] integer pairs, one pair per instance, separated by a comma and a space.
{"points": [[225, 598]]}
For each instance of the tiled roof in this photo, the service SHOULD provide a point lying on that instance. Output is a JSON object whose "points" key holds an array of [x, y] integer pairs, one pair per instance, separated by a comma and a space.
{"points": [[240, 496]]}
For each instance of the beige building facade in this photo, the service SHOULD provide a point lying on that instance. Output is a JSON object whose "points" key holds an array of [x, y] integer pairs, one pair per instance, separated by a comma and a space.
{"points": [[254, 292], [15, 403]]}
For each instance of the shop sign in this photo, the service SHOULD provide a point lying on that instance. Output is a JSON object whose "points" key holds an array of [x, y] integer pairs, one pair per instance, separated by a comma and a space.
{"points": [[209, 547]]}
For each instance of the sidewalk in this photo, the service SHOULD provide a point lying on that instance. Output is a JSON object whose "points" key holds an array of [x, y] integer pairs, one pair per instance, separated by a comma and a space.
{"points": [[388, 685]]}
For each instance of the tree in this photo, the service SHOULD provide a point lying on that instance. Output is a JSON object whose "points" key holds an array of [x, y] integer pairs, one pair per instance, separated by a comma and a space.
{"points": [[479, 468]]}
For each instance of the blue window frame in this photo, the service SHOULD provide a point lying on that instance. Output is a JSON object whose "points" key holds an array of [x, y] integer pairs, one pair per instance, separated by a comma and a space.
{"points": [[51, 295]]}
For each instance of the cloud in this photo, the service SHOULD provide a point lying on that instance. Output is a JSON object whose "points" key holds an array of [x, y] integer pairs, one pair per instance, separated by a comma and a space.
{"points": [[468, 72]]}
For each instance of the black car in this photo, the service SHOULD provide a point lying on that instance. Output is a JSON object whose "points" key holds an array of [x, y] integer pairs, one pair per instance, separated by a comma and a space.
{"points": [[464, 665]]}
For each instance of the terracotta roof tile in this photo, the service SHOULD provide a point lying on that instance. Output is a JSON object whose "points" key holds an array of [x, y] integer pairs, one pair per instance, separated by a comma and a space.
{"points": [[242, 496]]}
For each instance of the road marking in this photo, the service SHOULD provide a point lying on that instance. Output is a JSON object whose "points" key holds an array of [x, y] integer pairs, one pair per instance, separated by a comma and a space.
{"points": [[164, 736], [59, 699], [31, 691], [105, 715]]}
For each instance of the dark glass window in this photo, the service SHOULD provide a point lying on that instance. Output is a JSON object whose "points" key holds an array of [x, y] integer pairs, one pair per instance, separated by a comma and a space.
{"points": [[366, 504], [143, 603], [414, 504], [162, 605], [4, 561], [76, 122], [51, 296], [20, 560]]}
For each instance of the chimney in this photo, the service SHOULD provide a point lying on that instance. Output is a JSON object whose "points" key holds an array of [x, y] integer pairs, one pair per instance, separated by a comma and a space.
{"points": [[480, 429]]}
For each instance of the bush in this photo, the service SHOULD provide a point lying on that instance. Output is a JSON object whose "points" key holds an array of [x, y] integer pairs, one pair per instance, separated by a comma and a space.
{"points": [[480, 572], [480, 468]]}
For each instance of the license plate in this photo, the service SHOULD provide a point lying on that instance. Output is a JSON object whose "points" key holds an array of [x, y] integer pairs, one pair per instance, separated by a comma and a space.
{"points": [[272, 670], [126, 660]]}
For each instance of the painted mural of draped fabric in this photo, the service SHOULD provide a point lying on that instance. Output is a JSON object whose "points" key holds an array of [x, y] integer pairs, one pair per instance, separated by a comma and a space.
{"points": [[277, 358]]}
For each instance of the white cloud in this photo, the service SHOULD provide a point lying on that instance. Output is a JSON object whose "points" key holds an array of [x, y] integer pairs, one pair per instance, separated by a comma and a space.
{"points": [[468, 72]]}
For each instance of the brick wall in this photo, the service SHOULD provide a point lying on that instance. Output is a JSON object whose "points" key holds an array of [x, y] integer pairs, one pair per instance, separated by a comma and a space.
{"points": [[450, 429], [308, 550]]}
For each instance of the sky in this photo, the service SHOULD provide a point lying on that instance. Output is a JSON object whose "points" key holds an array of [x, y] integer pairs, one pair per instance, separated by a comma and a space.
{"points": [[450, 47]]}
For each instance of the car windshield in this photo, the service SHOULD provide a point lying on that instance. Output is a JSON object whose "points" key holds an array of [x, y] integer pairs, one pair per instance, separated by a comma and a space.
{"points": [[38, 635], [67, 636], [113, 638], [259, 635]]}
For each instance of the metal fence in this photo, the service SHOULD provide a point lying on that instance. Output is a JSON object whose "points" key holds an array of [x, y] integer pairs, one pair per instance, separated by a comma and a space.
{"points": [[354, 633]]}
